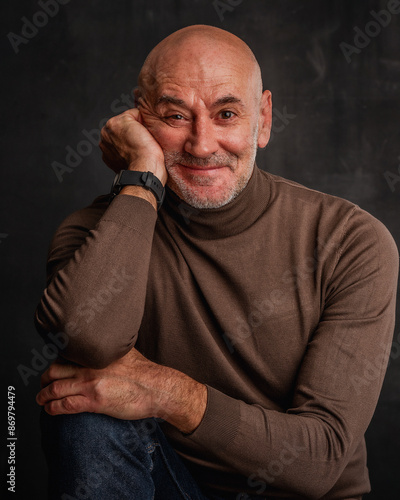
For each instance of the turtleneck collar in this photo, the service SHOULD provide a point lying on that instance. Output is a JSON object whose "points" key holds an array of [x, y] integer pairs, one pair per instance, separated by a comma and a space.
{"points": [[233, 218]]}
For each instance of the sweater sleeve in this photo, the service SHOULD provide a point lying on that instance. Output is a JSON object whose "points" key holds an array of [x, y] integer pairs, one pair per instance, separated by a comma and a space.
{"points": [[97, 276], [305, 449]]}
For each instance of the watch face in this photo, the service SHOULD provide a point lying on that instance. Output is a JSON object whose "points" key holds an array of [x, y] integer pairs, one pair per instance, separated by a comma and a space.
{"points": [[135, 178]]}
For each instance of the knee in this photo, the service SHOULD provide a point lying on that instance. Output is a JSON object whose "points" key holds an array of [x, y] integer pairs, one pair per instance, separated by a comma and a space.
{"points": [[81, 428], [91, 431]]}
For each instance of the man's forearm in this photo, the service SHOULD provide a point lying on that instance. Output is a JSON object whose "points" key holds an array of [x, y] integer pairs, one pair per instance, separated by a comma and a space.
{"points": [[97, 296], [131, 388], [182, 400]]}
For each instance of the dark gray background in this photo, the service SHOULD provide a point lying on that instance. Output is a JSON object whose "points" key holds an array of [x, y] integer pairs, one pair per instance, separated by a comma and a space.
{"points": [[342, 137]]}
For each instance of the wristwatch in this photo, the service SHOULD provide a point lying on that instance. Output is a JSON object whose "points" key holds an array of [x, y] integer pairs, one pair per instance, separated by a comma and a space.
{"points": [[144, 179]]}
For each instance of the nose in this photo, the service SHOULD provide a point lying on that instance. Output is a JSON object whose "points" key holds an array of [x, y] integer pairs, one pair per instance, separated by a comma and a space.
{"points": [[202, 141]]}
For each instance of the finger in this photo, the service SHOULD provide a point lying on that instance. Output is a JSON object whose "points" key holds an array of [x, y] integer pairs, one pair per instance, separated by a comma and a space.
{"points": [[119, 122], [59, 389], [69, 405], [58, 371], [107, 150], [115, 164], [108, 146], [104, 136], [132, 113]]}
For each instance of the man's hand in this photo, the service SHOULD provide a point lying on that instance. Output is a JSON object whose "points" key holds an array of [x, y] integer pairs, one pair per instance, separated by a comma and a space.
{"points": [[131, 388], [127, 144]]}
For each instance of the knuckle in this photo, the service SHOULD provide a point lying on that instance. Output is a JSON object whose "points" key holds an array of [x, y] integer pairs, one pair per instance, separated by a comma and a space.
{"points": [[39, 398], [54, 389], [51, 408], [110, 124], [97, 387], [99, 392], [68, 405], [51, 372]]}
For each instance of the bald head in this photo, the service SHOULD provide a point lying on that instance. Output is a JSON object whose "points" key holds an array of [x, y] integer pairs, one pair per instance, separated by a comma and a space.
{"points": [[198, 50], [200, 96]]}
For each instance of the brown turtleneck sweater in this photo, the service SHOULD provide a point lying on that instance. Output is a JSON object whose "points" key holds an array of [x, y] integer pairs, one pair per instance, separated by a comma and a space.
{"points": [[282, 303]]}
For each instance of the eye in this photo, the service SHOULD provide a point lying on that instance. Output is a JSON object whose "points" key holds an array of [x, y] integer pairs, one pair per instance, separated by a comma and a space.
{"points": [[176, 117], [226, 115]]}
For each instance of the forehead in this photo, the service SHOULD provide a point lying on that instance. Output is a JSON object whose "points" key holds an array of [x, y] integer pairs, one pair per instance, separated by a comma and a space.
{"points": [[205, 75], [193, 91]]}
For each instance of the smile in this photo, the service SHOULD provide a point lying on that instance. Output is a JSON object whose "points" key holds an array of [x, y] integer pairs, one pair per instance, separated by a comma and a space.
{"points": [[207, 168]]}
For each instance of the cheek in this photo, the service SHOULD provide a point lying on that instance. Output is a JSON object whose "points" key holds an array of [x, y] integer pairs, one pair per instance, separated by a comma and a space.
{"points": [[169, 138], [238, 144]]}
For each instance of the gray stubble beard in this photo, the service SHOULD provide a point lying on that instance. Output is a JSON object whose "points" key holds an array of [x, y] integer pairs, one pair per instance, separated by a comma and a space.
{"points": [[181, 188]]}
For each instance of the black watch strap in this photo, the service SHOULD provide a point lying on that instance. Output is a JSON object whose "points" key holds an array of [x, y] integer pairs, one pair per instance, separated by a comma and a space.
{"points": [[144, 179]]}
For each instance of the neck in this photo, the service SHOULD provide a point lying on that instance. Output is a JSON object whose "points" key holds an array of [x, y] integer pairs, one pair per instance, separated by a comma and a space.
{"points": [[227, 220]]}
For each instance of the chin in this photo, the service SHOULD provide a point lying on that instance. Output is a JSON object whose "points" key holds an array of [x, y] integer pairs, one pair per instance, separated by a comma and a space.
{"points": [[203, 203], [203, 197], [207, 192]]}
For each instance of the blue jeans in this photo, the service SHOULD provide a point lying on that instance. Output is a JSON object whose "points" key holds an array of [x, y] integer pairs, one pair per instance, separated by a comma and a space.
{"points": [[96, 457]]}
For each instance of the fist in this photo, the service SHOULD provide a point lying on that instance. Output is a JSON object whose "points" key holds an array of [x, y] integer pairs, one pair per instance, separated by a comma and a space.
{"points": [[127, 144]]}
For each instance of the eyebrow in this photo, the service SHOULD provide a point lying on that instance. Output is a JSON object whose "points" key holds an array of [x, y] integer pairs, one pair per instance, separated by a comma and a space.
{"points": [[169, 99], [227, 99]]}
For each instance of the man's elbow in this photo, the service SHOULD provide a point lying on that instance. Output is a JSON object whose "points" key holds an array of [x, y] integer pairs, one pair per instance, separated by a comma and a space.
{"points": [[94, 357], [83, 348], [320, 475]]}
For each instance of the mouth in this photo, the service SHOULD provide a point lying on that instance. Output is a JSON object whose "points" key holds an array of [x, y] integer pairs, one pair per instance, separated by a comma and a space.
{"points": [[199, 168]]}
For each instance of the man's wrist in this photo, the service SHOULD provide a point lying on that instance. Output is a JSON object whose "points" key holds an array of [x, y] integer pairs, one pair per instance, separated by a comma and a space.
{"points": [[184, 402], [155, 166], [140, 192], [138, 178]]}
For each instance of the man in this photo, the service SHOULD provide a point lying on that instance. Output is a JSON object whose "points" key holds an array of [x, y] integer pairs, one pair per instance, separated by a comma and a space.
{"points": [[252, 315]]}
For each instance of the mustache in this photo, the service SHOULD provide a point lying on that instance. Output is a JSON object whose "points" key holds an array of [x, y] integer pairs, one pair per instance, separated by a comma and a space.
{"points": [[190, 160]]}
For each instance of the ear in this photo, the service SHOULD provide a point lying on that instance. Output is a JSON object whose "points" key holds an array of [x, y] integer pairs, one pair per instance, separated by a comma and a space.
{"points": [[265, 119]]}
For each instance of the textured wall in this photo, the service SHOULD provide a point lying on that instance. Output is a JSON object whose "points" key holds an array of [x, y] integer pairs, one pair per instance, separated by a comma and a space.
{"points": [[334, 71]]}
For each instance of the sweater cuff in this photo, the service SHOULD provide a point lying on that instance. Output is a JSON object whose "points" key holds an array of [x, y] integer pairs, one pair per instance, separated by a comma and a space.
{"points": [[133, 212], [220, 423]]}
